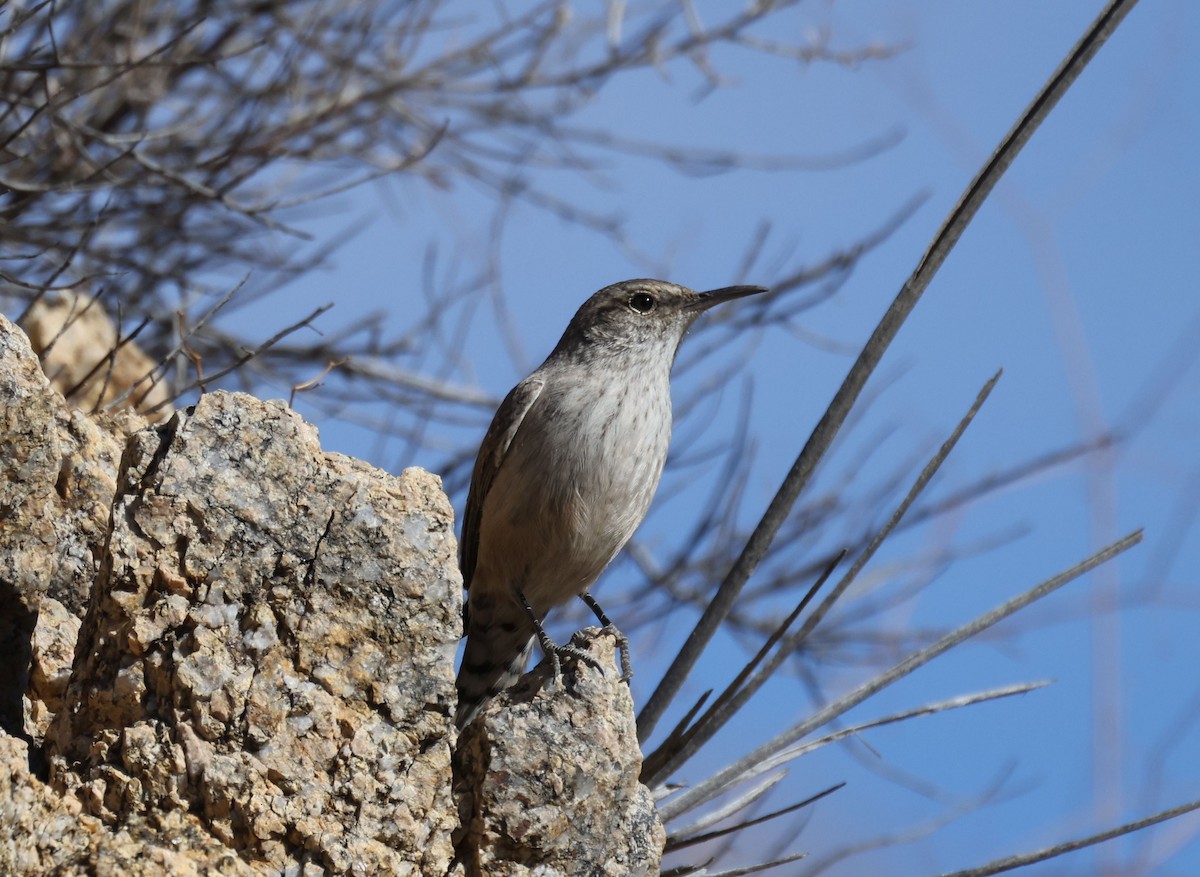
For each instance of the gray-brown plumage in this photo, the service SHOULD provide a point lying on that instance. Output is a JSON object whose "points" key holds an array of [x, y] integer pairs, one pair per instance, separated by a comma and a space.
{"points": [[567, 470]]}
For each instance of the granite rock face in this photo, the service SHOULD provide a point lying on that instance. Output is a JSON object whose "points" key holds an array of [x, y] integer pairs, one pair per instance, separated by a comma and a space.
{"points": [[536, 763], [58, 470], [48, 833], [268, 646], [230, 652]]}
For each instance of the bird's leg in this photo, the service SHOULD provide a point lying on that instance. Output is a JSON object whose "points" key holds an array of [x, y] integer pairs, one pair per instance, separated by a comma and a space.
{"points": [[550, 648], [609, 627]]}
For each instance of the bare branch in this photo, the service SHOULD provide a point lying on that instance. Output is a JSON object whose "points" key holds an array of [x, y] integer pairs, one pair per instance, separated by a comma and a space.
{"points": [[752, 762], [1010, 863]]}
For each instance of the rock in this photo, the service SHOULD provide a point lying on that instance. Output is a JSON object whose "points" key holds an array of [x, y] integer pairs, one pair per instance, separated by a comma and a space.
{"points": [[52, 649], [58, 471], [270, 647], [47, 833], [548, 775], [262, 679]]}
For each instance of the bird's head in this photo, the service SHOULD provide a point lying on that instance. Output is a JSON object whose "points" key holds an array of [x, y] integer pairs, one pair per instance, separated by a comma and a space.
{"points": [[647, 315]]}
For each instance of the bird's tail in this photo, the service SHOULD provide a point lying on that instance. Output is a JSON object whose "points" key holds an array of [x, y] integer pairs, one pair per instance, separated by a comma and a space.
{"points": [[499, 642]]}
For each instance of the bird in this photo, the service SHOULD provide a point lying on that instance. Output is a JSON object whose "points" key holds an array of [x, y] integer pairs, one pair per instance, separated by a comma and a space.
{"points": [[565, 474]]}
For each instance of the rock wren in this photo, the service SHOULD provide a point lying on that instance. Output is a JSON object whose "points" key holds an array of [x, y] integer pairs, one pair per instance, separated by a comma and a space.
{"points": [[566, 473]]}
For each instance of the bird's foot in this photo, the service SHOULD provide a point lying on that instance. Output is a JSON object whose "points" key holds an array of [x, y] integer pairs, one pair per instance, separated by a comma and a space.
{"points": [[556, 653], [553, 650], [611, 629]]}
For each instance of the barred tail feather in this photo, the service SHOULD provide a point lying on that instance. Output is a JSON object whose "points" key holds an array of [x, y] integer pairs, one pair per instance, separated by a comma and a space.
{"points": [[495, 658]]}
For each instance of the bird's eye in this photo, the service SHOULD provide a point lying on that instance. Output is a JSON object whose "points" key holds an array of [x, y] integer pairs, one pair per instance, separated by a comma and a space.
{"points": [[641, 302]]}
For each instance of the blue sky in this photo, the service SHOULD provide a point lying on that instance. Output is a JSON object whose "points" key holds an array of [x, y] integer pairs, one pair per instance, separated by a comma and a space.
{"points": [[1078, 278]]}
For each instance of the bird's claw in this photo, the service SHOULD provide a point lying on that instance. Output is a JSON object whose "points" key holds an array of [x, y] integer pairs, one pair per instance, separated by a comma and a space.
{"points": [[556, 653], [623, 647], [611, 629]]}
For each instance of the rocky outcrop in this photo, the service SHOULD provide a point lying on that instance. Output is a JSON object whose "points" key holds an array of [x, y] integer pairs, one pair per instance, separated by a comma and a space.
{"points": [[535, 764], [267, 646], [231, 652], [45, 832], [58, 470]]}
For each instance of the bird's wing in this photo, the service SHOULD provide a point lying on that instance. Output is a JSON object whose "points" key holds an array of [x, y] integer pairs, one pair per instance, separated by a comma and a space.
{"points": [[509, 417]]}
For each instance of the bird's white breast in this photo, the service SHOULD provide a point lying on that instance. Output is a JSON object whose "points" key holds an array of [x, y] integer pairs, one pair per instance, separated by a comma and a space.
{"points": [[577, 481]]}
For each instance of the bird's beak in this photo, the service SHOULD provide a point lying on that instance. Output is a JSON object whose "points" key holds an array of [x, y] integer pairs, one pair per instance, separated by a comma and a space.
{"points": [[728, 293]]}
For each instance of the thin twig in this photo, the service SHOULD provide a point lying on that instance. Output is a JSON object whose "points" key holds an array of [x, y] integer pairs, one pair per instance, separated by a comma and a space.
{"points": [[242, 360], [720, 713], [183, 336], [1009, 863], [676, 844], [750, 763]]}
